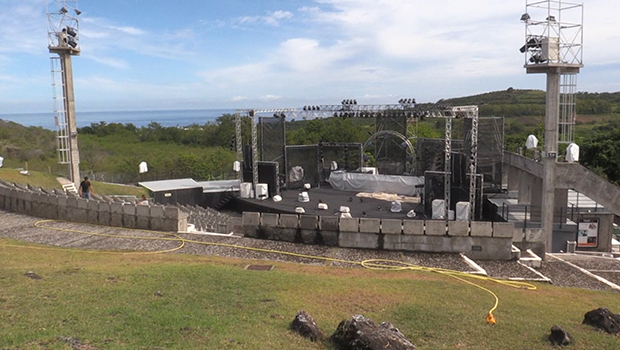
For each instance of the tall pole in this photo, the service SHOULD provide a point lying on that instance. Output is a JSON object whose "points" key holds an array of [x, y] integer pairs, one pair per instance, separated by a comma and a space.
{"points": [[549, 159], [74, 154]]}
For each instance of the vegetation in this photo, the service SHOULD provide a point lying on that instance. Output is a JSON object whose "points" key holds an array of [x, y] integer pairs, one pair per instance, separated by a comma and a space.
{"points": [[110, 301], [112, 152]]}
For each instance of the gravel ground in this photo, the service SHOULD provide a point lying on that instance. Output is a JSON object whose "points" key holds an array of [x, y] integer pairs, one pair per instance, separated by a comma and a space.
{"points": [[83, 236]]}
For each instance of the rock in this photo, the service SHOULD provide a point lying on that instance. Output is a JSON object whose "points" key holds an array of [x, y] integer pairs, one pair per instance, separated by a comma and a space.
{"points": [[305, 325], [559, 336], [604, 319], [360, 333]]}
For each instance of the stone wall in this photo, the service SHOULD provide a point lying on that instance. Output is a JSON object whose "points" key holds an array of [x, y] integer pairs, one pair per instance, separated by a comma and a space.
{"points": [[51, 205], [478, 240]]}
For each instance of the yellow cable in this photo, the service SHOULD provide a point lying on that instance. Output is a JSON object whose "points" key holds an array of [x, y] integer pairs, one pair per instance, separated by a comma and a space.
{"points": [[371, 264]]}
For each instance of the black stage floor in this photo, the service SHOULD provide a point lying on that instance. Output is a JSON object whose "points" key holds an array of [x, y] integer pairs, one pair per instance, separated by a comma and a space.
{"points": [[360, 207]]}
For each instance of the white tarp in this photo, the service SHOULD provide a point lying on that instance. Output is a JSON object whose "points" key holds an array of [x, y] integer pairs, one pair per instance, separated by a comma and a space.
{"points": [[143, 167], [572, 153], [1, 161], [439, 209], [462, 211], [404, 185], [531, 142]]}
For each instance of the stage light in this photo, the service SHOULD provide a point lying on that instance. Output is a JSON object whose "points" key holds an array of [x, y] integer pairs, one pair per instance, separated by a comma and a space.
{"points": [[275, 115], [282, 115], [71, 31], [525, 17], [71, 42], [551, 18], [305, 108], [63, 10], [78, 12]]}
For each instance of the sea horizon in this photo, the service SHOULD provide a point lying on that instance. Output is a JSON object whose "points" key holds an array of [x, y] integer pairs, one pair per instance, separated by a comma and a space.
{"points": [[139, 118]]}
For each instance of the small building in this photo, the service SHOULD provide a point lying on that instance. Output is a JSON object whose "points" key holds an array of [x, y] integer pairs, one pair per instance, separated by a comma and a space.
{"points": [[177, 191]]}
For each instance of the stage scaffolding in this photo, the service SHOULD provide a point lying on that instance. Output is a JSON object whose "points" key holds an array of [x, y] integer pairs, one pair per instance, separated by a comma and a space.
{"points": [[350, 108]]}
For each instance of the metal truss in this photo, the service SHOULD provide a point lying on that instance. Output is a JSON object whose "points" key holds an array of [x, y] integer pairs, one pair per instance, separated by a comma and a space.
{"points": [[362, 111]]}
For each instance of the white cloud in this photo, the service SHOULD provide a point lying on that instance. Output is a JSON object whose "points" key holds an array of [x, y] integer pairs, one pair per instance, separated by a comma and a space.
{"points": [[239, 98], [272, 19]]}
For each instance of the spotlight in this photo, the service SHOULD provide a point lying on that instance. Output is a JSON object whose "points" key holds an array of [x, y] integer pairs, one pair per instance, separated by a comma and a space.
{"points": [[525, 17], [275, 115], [305, 107], [71, 31], [282, 115], [78, 12], [71, 42], [551, 18], [63, 10]]}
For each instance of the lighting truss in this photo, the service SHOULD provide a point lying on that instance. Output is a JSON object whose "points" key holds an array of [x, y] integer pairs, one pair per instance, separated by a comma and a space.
{"points": [[360, 111], [63, 26], [553, 33]]}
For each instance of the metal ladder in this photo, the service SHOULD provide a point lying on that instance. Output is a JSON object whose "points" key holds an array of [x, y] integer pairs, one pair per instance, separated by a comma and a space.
{"points": [[60, 120]]}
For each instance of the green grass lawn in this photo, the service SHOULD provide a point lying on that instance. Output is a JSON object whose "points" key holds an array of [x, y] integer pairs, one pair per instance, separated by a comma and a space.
{"points": [[108, 300]]}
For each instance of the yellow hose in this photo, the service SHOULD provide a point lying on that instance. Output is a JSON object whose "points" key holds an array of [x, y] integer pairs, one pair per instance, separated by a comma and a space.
{"points": [[371, 264]]}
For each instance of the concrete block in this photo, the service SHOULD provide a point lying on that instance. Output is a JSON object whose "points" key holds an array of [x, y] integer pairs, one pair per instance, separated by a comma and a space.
{"points": [[92, 205], [28, 202], [413, 227], [459, 244], [290, 221], [235, 225], [349, 225], [503, 229], [143, 222], [117, 208], [490, 248], [391, 226], [157, 211], [63, 201], [77, 215], [519, 235], [157, 223], [92, 217], [282, 234], [534, 235], [82, 203], [251, 222], [393, 241], [358, 240], [328, 223], [104, 217], [116, 220], [62, 212], [481, 229], [142, 210], [172, 213], [269, 219], [308, 236], [435, 227], [370, 225], [129, 209], [458, 228], [328, 238], [52, 206], [129, 221], [309, 222], [418, 243], [72, 202]]}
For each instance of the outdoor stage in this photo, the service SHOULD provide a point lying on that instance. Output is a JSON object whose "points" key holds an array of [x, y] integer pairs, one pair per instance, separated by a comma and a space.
{"points": [[360, 206]]}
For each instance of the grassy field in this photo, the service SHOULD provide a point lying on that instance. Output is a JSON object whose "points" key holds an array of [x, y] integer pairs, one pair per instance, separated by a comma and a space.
{"points": [[48, 181], [110, 301]]}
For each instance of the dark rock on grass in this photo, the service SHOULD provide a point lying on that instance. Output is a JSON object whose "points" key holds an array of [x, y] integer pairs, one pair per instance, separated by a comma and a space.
{"points": [[559, 336], [33, 275], [361, 333], [603, 319], [305, 325]]}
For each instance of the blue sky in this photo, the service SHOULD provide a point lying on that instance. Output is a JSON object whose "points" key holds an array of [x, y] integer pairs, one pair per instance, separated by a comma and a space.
{"points": [[192, 54]]}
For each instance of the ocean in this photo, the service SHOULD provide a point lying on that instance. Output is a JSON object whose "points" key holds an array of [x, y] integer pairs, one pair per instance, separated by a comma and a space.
{"points": [[138, 118]]}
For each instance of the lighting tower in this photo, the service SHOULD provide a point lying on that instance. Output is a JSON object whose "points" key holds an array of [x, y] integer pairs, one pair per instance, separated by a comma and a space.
{"points": [[554, 46], [63, 42]]}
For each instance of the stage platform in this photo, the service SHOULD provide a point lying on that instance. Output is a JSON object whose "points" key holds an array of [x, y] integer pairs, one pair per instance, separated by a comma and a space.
{"points": [[360, 207]]}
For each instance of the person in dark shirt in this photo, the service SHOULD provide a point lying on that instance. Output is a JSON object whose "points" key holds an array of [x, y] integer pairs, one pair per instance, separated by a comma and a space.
{"points": [[86, 190]]}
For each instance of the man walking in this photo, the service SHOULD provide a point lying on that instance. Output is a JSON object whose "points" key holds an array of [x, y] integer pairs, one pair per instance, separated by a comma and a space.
{"points": [[86, 190]]}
